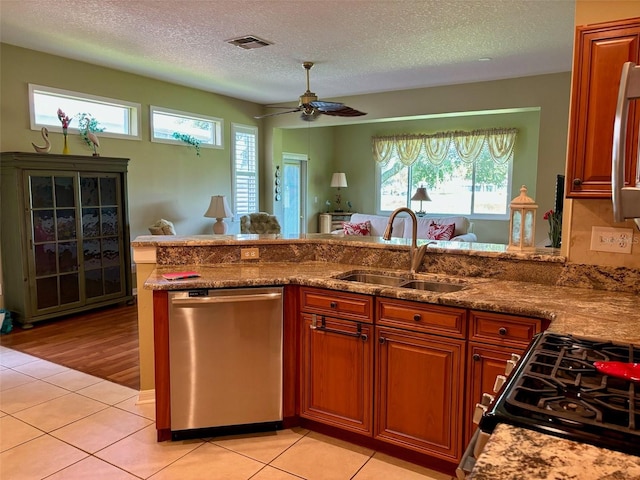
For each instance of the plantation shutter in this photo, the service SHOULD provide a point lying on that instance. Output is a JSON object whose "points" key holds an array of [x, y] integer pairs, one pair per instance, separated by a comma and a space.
{"points": [[245, 170]]}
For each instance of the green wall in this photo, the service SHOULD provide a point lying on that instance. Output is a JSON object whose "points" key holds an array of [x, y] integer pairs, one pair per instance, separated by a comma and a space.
{"points": [[165, 181]]}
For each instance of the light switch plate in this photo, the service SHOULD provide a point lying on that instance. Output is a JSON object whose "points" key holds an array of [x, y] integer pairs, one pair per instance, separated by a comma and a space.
{"points": [[249, 253], [609, 239]]}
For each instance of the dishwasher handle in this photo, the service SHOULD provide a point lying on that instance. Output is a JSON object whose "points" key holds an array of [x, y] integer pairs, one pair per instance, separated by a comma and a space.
{"points": [[252, 297]]}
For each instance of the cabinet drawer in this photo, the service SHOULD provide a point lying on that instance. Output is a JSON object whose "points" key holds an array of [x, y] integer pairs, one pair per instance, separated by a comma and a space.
{"points": [[503, 329], [422, 317], [330, 302]]}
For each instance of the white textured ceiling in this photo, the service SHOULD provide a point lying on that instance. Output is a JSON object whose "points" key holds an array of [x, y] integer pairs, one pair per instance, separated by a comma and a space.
{"points": [[359, 46]]}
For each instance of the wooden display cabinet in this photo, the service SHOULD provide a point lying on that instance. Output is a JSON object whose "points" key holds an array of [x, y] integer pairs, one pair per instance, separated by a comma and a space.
{"points": [[65, 234]]}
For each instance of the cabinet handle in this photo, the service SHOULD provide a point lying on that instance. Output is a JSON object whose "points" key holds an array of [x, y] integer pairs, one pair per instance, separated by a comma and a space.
{"points": [[333, 305], [417, 317], [323, 328], [381, 340], [502, 331], [476, 357], [577, 182]]}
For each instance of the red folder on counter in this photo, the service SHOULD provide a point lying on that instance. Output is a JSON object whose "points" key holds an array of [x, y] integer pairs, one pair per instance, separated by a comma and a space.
{"points": [[180, 275]]}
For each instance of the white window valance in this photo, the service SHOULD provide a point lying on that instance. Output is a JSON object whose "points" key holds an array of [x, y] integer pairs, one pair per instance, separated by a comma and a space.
{"points": [[435, 146]]}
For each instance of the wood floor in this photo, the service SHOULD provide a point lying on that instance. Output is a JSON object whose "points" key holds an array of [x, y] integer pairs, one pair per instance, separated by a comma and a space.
{"points": [[103, 343]]}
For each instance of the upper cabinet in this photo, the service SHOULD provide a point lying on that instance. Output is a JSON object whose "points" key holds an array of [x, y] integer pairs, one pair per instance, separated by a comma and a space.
{"points": [[599, 53]]}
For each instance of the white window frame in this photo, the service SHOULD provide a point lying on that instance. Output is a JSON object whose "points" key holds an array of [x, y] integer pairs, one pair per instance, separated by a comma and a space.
{"points": [[134, 111], [217, 127], [249, 129]]}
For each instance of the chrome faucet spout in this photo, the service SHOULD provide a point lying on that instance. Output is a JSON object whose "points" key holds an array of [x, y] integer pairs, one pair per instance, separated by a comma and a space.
{"points": [[415, 256]]}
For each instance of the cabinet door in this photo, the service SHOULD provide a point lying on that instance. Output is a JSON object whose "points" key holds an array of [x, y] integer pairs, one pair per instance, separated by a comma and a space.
{"points": [[102, 236], [54, 257], [337, 372], [485, 363], [600, 53], [419, 392]]}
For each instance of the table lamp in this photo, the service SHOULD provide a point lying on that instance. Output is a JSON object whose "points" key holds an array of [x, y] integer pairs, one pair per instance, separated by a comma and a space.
{"points": [[338, 180], [421, 195], [219, 209]]}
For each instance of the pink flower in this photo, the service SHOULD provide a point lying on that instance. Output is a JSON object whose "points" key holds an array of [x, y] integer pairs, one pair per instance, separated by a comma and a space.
{"points": [[548, 214], [64, 119]]}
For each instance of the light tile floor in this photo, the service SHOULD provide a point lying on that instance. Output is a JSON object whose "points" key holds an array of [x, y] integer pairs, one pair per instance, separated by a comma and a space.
{"points": [[61, 424]]}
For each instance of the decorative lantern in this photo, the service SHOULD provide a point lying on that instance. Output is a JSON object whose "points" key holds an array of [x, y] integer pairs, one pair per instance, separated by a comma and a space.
{"points": [[522, 224]]}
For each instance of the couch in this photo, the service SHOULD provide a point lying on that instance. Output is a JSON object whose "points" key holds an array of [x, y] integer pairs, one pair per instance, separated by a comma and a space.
{"points": [[403, 226]]}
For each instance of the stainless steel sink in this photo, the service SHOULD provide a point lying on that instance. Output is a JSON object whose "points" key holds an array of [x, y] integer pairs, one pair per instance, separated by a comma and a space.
{"points": [[400, 281], [433, 286], [377, 279]]}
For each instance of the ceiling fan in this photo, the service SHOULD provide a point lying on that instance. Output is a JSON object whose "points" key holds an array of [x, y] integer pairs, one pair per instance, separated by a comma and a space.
{"points": [[311, 108]]}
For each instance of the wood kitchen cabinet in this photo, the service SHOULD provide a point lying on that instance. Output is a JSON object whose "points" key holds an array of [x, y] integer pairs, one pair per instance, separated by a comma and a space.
{"points": [[65, 234], [493, 338], [337, 359], [599, 53], [419, 377]]}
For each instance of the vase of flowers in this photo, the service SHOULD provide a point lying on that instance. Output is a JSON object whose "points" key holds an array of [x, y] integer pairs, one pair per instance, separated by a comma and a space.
{"points": [[555, 227], [65, 120]]}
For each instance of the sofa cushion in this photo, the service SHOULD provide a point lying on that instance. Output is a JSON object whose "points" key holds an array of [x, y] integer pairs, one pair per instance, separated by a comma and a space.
{"points": [[362, 229], [439, 231], [379, 224], [461, 225]]}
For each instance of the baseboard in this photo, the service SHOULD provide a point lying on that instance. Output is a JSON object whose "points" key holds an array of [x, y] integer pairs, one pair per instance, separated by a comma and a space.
{"points": [[146, 396]]}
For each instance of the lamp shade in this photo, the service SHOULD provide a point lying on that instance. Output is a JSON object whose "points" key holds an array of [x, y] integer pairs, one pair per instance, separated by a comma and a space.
{"points": [[421, 194], [339, 180], [218, 208]]}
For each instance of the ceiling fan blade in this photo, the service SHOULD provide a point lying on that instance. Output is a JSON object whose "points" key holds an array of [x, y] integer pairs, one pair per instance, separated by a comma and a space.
{"points": [[326, 106], [258, 117], [344, 112]]}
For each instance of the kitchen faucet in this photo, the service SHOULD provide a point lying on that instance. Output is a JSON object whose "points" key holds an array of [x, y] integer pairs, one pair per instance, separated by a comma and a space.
{"points": [[415, 254]]}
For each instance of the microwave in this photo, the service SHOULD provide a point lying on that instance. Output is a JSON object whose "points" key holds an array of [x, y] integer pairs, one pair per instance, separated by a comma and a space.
{"points": [[626, 200]]}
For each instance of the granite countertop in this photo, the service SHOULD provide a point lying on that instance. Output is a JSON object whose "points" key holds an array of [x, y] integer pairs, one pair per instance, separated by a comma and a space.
{"points": [[511, 452], [578, 311], [514, 453]]}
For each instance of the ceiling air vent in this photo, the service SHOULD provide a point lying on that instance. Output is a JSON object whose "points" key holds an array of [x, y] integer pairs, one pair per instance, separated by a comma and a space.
{"points": [[249, 42]]}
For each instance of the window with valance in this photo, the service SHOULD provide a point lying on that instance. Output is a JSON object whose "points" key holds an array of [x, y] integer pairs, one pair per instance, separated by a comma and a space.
{"points": [[465, 173]]}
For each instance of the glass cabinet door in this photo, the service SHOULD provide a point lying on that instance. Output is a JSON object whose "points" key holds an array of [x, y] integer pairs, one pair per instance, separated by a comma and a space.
{"points": [[55, 261], [101, 235]]}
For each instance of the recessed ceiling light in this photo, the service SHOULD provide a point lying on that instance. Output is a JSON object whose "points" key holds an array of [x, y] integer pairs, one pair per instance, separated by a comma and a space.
{"points": [[249, 42], [485, 59]]}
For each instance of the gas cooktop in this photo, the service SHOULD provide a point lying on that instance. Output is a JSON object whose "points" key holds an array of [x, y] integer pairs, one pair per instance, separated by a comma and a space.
{"points": [[556, 389]]}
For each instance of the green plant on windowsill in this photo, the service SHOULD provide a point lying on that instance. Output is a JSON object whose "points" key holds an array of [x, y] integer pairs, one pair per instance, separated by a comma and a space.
{"points": [[189, 140]]}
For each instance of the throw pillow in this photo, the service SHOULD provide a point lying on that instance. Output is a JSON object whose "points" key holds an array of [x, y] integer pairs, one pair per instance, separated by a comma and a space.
{"points": [[437, 231], [363, 229], [162, 227]]}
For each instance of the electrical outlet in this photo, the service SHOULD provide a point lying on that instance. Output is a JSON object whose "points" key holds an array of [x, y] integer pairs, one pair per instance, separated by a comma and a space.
{"points": [[609, 239], [249, 253]]}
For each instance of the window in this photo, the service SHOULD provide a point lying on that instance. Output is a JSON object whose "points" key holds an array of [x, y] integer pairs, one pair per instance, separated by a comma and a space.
{"points": [[464, 173], [244, 168], [118, 118], [164, 123]]}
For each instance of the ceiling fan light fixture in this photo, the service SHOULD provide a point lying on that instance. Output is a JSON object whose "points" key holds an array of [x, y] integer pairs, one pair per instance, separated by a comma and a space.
{"points": [[249, 42]]}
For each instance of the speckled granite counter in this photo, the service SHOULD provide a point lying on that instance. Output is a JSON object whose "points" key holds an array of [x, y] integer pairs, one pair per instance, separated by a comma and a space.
{"points": [[519, 454], [539, 284]]}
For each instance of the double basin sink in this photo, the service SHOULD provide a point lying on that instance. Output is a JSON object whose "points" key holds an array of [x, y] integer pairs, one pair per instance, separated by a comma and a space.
{"points": [[401, 281]]}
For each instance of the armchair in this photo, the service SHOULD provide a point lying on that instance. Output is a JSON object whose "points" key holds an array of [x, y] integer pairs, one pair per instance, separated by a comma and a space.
{"points": [[259, 222]]}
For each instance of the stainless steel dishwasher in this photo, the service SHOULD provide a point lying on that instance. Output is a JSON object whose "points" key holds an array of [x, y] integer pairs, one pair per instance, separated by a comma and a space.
{"points": [[225, 351]]}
